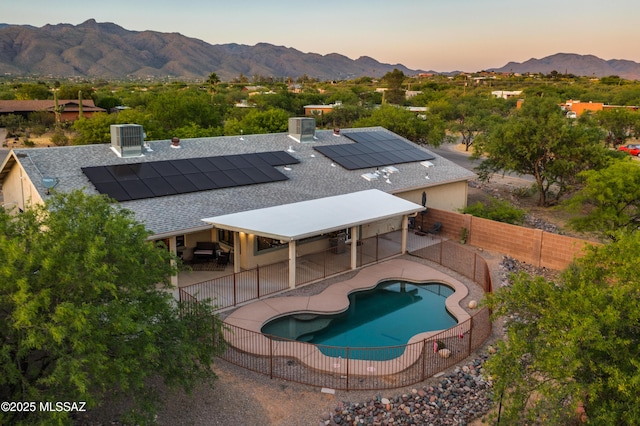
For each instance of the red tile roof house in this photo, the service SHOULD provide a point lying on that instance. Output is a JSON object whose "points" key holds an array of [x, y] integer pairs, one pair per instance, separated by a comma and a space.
{"points": [[70, 111]]}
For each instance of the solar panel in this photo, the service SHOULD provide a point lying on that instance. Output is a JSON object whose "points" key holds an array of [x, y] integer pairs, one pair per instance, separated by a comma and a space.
{"points": [[123, 172], [201, 181], [136, 189], [238, 178], [124, 182], [159, 187], [238, 161], [373, 149], [203, 164]]}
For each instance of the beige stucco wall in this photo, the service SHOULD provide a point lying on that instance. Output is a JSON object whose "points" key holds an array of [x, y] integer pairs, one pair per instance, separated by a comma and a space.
{"points": [[18, 190], [450, 196]]}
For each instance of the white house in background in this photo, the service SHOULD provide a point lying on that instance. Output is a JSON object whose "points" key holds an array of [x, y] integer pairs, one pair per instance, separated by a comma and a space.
{"points": [[506, 94]]}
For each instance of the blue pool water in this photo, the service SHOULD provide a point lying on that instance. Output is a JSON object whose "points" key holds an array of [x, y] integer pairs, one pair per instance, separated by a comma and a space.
{"points": [[388, 315]]}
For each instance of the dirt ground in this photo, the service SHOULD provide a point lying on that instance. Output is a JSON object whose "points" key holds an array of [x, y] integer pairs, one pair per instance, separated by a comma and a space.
{"points": [[37, 141]]}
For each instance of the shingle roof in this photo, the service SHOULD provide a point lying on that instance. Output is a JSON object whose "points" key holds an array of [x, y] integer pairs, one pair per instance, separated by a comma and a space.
{"points": [[314, 177], [46, 105]]}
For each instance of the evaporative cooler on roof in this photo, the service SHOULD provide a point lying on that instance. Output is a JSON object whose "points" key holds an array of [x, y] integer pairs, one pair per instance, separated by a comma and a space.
{"points": [[127, 139], [302, 129]]}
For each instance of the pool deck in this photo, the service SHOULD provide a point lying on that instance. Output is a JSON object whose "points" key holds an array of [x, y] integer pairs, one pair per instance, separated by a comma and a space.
{"points": [[334, 299]]}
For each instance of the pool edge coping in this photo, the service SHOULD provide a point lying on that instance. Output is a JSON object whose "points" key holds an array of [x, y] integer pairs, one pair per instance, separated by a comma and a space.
{"points": [[334, 299]]}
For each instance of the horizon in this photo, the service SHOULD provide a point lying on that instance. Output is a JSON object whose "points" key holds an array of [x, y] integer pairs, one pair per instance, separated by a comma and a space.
{"points": [[431, 36]]}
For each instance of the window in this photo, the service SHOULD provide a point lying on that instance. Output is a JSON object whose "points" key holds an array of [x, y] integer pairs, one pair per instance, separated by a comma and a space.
{"points": [[265, 243], [225, 237]]}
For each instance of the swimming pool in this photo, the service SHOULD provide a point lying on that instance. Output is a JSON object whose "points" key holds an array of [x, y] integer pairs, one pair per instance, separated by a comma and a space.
{"points": [[385, 316]]}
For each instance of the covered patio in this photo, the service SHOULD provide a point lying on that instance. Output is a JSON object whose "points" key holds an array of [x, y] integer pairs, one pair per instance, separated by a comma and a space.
{"points": [[291, 223]]}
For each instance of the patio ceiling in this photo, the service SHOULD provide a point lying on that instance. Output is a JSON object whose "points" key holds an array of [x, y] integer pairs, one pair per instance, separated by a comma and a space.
{"points": [[290, 222]]}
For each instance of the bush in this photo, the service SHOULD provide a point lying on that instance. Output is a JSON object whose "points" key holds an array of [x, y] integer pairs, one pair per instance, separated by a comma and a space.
{"points": [[59, 138], [38, 130], [498, 210]]}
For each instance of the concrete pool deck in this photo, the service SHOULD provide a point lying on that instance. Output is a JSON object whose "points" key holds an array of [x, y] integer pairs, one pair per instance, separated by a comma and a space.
{"points": [[334, 299]]}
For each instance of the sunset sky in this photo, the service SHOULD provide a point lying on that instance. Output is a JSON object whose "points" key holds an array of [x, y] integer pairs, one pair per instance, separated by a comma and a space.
{"points": [[439, 35]]}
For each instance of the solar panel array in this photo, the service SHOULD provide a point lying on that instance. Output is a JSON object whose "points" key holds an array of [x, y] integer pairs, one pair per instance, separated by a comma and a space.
{"points": [[125, 182], [373, 149]]}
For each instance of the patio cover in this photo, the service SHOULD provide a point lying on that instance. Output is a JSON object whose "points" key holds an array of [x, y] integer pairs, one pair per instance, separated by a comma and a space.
{"points": [[295, 221]]}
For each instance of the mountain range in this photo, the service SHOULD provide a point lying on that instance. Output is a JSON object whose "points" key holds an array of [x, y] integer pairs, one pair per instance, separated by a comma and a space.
{"points": [[106, 50], [580, 65]]}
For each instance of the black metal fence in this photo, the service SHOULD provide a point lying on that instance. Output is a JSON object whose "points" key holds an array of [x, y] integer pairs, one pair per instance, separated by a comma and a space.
{"points": [[349, 368], [252, 284], [356, 368]]}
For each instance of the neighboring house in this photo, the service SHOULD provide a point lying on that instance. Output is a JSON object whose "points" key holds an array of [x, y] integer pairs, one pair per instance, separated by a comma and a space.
{"points": [[252, 194], [576, 108], [506, 94], [70, 112], [311, 110]]}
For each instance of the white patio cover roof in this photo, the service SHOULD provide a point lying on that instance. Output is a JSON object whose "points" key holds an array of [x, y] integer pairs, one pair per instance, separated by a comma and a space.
{"points": [[289, 222]]}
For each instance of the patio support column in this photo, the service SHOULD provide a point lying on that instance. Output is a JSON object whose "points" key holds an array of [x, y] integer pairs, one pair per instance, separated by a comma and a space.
{"points": [[236, 252], [292, 264], [354, 247], [173, 250], [405, 226]]}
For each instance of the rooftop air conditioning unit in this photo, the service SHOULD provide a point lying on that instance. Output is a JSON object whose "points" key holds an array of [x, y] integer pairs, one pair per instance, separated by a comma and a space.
{"points": [[302, 129], [127, 140]]}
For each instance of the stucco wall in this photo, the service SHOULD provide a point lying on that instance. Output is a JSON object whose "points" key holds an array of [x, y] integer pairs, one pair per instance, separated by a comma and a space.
{"points": [[450, 196], [18, 190]]}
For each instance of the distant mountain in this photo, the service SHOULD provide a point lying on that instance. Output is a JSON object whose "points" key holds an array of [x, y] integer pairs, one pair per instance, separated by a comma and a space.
{"points": [[571, 63], [106, 50]]}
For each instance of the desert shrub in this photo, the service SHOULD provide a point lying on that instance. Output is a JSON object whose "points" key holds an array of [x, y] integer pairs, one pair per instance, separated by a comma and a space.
{"points": [[38, 130], [498, 210], [59, 138]]}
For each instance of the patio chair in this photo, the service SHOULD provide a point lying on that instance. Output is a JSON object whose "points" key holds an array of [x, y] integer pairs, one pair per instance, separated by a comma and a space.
{"points": [[222, 261], [435, 228]]}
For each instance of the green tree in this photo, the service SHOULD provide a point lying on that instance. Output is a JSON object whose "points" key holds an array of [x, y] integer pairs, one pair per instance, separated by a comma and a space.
{"points": [[407, 124], [108, 102], [619, 123], [177, 108], [473, 115], [609, 201], [30, 91], [192, 130], [572, 341], [94, 130], [538, 140], [213, 80], [394, 93], [70, 91], [345, 115], [498, 210], [254, 122], [85, 315], [12, 122]]}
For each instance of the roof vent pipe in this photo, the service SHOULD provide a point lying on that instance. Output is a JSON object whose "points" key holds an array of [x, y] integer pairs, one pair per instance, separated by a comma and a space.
{"points": [[336, 131], [175, 142]]}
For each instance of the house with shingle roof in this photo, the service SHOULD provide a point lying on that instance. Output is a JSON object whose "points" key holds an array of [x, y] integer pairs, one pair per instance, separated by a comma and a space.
{"points": [[253, 195], [70, 108]]}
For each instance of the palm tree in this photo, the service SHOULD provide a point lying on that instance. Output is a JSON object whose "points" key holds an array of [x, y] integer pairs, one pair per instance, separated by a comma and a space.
{"points": [[213, 80]]}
